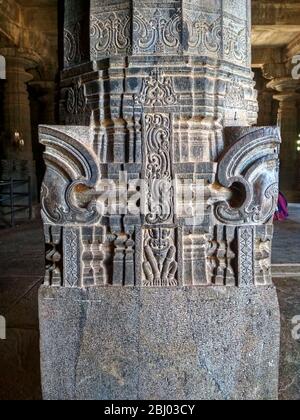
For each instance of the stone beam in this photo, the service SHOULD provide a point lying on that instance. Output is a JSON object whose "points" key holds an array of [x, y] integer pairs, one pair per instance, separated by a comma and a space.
{"points": [[284, 13]]}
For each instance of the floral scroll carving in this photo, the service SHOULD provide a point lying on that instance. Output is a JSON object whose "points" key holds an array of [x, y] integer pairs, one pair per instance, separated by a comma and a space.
{"points": [[157, 90], [111, 34], [158, 169], [157, 33]]}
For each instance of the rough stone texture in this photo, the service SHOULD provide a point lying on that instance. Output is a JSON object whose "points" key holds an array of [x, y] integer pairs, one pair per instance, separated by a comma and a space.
{"points": [[160, 343], [289, 298], [165, 93]]}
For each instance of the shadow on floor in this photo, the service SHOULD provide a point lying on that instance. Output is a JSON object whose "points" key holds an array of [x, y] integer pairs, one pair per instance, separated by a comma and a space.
{"points": [[21, 271]]}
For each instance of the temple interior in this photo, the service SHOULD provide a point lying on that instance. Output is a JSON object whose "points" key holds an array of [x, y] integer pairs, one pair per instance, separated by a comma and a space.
{"points": [[31, 47]]}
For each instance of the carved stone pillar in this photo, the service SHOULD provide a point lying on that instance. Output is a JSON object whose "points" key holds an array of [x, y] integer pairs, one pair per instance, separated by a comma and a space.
{"points": [[18, 162], [168, 298], [289, 124]]}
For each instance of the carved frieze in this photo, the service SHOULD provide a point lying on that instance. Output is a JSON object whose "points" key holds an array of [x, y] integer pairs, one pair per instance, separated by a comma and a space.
{"points": [[157, 32], [110, 34]]}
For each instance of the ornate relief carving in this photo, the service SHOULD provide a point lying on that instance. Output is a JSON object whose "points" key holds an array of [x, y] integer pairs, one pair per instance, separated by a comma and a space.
{"points": [[194, 262], [93, 256], [71, 175], [157, 90], [71, 254], [209, 35], [235, 43], [263, 251], [203, 35], [158, 174], [75, 99], [160, 265], [235, 95], [72, 50], [159, 121], [54, 263], [220, 257], [250, 168], [110, 34], [246, 256], [157, 33]]}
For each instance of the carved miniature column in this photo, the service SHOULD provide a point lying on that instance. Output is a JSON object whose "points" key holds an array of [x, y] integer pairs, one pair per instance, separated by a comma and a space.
{"points": [[167, 298]]}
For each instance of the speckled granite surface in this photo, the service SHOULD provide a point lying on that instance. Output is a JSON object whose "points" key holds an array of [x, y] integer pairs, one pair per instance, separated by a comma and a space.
{"points": [[289, 300]]}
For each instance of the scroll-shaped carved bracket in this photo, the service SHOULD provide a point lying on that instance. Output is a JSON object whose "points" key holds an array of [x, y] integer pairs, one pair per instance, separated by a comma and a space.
{"points": [[72, 172], [250, 169]]}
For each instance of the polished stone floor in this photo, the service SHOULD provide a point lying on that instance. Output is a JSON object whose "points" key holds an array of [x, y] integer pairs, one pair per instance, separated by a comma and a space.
{"points": [[21, 271]]}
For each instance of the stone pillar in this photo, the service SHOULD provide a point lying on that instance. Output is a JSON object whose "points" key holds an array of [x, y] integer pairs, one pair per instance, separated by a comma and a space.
{"points": [[172, 298], [18, 162], [290, 129], [268, 107]]}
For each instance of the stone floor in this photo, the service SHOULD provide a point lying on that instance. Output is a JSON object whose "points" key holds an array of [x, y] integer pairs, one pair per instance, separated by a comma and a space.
{"points": [[286, 249], [21, 271]]}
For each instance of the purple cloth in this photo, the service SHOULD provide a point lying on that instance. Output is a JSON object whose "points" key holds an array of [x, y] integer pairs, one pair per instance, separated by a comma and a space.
{"points": [[282, 211]]}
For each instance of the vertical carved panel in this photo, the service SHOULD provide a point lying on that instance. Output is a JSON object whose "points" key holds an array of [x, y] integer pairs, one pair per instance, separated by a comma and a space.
{"points": [[93, 256], [71, 249], [246, 257], [160, 257], [130, 258], [119, 259], [54, 259], [221, 256], [194, 259], [158, 169], [263, 251]]}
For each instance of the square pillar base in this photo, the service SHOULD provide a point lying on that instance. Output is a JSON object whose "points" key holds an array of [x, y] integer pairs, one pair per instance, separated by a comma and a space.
{"points": [[193, 343]]}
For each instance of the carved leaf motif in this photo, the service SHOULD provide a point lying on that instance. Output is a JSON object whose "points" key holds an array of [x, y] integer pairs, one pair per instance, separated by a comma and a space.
{"points": [[157, 90], [110, 35], [75, 99], [156, 33]]}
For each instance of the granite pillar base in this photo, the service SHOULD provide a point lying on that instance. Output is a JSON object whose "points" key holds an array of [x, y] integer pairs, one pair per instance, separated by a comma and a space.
{"points": [[110, 343]]}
